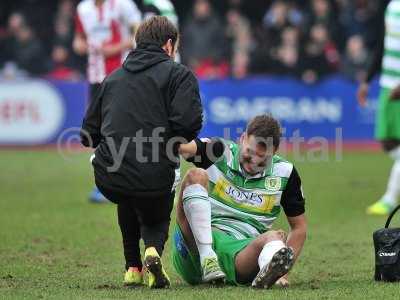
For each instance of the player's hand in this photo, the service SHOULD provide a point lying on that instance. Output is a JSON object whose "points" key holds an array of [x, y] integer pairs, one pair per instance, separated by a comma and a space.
{"points": [[282, 282], [110, 50], [80, 46], [362, 94], [395, 94], [116, 49]]}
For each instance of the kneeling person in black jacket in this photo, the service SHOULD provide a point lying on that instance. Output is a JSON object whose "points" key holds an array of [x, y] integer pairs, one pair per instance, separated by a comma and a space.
{"points": [[143, 111]]}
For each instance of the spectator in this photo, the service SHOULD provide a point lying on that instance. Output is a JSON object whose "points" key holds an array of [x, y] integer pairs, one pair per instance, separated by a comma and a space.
{"points": [[358, 17], [280, 16], [64, 34], [203, 43], [271, 53], [286, 56], [24, 48], [301, 38], [63, 22], [321, 56], [239, 34], [15, 21], [322, 13], [354, 62], [62, 68]]}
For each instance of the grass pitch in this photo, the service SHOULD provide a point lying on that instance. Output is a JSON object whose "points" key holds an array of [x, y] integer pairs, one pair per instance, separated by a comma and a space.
{"points": [[55, 245]]}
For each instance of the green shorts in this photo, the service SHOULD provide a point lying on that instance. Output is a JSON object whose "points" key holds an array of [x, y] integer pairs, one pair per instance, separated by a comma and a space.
{"points": [[187, 264], [388, 117]]}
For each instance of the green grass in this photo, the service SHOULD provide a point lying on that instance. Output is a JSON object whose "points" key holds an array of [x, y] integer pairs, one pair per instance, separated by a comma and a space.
{"points": [[53, 244]]}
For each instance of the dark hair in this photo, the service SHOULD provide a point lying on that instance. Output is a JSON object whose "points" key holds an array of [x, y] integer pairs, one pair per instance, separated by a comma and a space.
{"points": [[265, 127], [156, 30]]}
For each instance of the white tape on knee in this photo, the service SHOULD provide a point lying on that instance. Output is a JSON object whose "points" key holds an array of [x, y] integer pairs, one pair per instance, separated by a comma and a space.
{"points": [[268, 252]]}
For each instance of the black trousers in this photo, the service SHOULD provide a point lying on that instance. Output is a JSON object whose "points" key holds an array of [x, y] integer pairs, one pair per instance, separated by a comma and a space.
{"points": [[143, 216]]}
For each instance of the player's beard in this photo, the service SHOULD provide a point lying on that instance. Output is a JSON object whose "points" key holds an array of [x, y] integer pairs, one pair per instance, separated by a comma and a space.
{"points": [[256, 170]]}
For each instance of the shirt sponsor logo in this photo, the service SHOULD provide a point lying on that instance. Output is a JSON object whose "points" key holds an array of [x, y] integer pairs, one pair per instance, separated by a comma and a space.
{"points": [[244, 197]]}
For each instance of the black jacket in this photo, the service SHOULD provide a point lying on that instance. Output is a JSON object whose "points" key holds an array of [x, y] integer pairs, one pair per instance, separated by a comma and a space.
{"points": [[149, 91]]}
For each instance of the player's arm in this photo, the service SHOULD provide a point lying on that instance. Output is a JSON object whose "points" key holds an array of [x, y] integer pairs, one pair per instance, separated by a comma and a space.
{"points": [[293, 203], [130, 16], [202, 152], [295, 240], [297, 234], [79, 43], [113, 49], [185, 109], [375, 66]]}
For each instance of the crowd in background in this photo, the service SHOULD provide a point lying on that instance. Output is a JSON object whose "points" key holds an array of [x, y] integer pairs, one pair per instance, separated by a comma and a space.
{"points": [[306, 39]]}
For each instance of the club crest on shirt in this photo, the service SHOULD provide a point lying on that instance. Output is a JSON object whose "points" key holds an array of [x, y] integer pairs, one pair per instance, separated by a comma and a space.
{"points": [[273, 183]]}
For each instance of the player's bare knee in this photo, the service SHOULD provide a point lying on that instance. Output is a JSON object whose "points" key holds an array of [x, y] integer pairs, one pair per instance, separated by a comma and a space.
{"points": [[196, 176], [269, 236]]}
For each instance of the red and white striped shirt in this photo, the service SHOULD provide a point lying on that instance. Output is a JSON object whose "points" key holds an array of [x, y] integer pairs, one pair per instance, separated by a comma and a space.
{"points": [[107, 24]]}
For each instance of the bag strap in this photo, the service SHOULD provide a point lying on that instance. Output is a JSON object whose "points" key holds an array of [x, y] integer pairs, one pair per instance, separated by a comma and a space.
{"points": [[391, 216]]}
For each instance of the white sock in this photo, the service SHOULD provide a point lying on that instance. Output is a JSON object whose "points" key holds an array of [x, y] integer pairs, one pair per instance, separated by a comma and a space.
{"points": [[393, 186], [197, 209], [268, 252]]}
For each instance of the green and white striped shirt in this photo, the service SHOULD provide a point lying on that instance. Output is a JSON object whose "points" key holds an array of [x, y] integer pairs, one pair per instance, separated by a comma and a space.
{"points": [[390, 77], [246, 206], [165, 8]]}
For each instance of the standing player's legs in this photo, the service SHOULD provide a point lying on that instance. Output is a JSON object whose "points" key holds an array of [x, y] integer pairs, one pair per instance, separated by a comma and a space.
{"points": [[154, 215], [194, 219], [130, 230], [388, 132], [95, 195]]}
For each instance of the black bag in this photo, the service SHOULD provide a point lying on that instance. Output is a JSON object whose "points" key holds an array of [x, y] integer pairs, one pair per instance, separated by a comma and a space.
{"points": [[387, 252]]}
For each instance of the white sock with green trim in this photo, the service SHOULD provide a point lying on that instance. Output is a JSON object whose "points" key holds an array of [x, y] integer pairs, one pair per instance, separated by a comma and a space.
{"points": [[197, 209], [268, 252]]}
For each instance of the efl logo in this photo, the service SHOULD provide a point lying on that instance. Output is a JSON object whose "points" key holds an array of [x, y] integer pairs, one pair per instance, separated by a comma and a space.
{"points": [[31, 112], [16, 110]]}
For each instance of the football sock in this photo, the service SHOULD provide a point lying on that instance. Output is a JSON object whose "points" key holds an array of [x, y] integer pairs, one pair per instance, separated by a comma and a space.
{"points": [[268, 252], [197, 209], [393, 186]]}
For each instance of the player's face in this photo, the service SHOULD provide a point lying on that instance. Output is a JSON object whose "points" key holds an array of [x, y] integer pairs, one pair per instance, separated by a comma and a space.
{"points": [[254, 157]]}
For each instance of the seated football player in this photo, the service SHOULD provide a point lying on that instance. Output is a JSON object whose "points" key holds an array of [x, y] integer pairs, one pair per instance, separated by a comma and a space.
{"points": [[227, 206]]}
